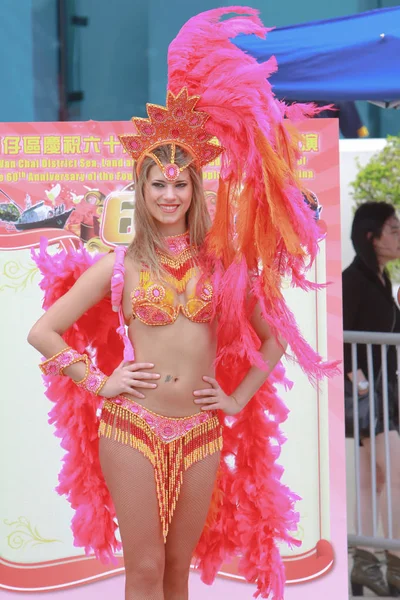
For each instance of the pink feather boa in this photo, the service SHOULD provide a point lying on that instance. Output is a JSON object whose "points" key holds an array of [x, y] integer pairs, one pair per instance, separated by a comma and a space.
{"points": [[74, 412]]}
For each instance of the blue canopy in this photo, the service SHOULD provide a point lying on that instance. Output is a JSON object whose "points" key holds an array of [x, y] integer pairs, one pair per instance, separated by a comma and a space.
{"points": [[351, 58]]}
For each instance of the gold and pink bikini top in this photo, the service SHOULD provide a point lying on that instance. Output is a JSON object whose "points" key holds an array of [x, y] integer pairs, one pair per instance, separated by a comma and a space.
{"points": [[155, 303]]}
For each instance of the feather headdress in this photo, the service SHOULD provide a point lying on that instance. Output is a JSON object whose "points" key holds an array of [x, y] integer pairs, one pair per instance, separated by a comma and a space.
{"points": [[262, 226]]}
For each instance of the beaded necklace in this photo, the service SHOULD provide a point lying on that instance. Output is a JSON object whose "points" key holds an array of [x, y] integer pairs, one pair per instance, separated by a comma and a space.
{"points": [[180, 263]]}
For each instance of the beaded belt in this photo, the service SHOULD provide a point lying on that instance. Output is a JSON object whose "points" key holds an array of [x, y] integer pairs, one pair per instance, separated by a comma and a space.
{"points": [[172, 444]]}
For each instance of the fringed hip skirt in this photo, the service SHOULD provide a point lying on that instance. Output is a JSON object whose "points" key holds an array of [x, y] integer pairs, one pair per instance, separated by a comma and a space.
{"points": [[172, 444]]}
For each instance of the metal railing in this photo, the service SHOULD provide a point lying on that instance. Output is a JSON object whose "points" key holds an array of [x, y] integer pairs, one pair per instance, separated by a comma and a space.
{"points": [[370, 339]]}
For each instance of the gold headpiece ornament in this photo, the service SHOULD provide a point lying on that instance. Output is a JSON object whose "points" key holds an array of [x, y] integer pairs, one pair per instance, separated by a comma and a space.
{"points": [[178, 124]]}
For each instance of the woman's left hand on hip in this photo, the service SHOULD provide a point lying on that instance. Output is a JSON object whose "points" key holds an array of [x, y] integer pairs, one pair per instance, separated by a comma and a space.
{"points": [[214, 398]]}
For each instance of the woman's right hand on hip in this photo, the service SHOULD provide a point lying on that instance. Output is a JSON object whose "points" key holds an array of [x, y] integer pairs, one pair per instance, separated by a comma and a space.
{"points": [[130, 378]]}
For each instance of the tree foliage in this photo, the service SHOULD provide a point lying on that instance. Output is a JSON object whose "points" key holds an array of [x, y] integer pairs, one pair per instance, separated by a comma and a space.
{"points": [[379, 180]]}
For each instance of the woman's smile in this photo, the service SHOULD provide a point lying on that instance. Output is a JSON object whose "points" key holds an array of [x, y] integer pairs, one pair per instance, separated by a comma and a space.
{"points": [[169, 208]]}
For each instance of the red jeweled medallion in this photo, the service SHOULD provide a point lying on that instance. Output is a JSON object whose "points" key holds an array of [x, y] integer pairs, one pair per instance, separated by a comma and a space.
{"points": [[155, 293], [171, 172]]}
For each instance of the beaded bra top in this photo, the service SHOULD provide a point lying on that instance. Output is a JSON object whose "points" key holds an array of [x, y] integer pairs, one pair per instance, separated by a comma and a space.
{"points": [[154, 303]]}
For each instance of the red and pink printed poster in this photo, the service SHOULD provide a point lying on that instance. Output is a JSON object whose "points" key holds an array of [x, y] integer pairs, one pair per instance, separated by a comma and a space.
{"points": [[72, 183]]}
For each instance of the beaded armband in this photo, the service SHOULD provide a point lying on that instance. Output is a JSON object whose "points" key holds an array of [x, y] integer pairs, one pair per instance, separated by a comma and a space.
{"points": [[93, 380], [60, 361]]}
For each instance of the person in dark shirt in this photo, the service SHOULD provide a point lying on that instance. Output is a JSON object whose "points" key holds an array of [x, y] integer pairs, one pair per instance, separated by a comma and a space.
{"points": [[368, 305]]}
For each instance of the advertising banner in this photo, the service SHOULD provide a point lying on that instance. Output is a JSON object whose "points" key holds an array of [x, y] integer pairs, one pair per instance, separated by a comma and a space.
{"points": [[72, 184]]}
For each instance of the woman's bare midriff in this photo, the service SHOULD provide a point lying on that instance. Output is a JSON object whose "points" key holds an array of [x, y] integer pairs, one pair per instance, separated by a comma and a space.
{"points": [[182, 353]]}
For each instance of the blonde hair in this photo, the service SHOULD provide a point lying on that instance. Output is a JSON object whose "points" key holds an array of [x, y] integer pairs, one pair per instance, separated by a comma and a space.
{"points": [[147, 237]]}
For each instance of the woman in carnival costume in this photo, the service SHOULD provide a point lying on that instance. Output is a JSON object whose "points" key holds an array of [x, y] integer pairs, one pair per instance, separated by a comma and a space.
{"points": [[183, 453]]}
